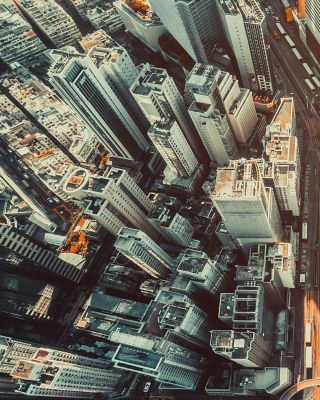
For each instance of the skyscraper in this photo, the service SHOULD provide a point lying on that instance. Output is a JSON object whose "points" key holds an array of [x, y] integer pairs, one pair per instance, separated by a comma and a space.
{"points": [[244, 348], [114, 200], [49, 19], [312, 27], [193, 23], [282, 154], [207, 84], [159, 98], [47, 372], [215, 132], [17, 247], [82, 85], [248, 208], [168, 362], [169, 140], [245, 28], [144, 252]]}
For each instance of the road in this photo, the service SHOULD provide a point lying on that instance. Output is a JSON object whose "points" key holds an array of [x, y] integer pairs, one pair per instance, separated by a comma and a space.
{"points": [[292, 73], [288, 61]]}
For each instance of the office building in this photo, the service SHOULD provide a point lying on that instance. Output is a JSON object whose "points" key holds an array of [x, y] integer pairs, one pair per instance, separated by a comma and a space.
{"points": [[141, 22], [242, 310], [18, 248], [309, 11], [282, 258], [248, 208], [208, 85], [248, 382], [271, 268], [244, 348], [245, 28], [47, 372], [78, 80], [18, 42], [117, 68], [175, 228], [215, 132], [282, 154], [159, 98], [170, 142], [114, 200], [144, 252], [169, 363], [55, 27], [194, 24], [104, 314], [182, 321]]}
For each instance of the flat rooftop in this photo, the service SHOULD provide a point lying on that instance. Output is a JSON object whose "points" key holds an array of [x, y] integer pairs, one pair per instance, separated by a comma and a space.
{"points": [[283, 117], [137, 357], [242, 178]]}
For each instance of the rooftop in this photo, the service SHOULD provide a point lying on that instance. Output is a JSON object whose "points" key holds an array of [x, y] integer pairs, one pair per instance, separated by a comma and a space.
{"points": [[235, 344], [242, 178], [283, 119]]}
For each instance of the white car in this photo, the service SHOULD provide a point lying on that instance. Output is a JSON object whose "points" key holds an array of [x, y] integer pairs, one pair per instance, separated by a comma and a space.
{"points": [[147, 387]]}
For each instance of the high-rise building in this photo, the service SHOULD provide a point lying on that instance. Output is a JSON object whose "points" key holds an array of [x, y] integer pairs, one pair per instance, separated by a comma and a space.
{"points": [[18, 42], [47, 372], [53, 24], [282, 258], [194, 24], [282, 154], [244, 348], [174, 227], [144, 252], [207, 84], [80, 82], [168, 362], [245, 28], [170, 142], [142, 23], [242, 310], [309, 11], [17, 247], [248, 208], [117, 68], [215, 132], [159, 98], [114, 200]]}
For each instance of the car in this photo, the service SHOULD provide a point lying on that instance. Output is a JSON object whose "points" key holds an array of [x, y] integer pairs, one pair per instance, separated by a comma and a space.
{"points": [[146, 387]]}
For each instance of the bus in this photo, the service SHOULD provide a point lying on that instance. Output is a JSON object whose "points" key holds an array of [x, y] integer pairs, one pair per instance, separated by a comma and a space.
{"points": [[280, 27], [316, 81], [308, 69], [310, 85], [308, 333], [304, 231], [289, 40], [297, 54]]}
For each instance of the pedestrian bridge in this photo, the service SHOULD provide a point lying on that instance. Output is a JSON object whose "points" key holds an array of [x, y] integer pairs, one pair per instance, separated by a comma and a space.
{"points": [[298, 387]]}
